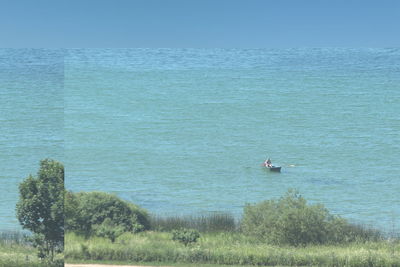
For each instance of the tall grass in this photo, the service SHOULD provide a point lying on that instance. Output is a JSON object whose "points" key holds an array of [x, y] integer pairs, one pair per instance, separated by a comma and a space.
{"points": [[229, 248], [16, 251], [362, 233], [28, 263], [225, 222], [14, 237], [12, 254], [215, 222]]}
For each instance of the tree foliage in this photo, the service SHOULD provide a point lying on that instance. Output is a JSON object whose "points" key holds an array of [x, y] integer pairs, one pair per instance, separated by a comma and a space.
{"points": [[94, 212], [40, 208]]}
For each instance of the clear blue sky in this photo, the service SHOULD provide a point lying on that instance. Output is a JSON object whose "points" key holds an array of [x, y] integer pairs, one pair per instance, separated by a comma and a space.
{"points": [[199, 23]]}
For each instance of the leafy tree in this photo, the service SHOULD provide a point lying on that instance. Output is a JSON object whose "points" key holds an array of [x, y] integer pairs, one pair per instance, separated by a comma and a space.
{"points": [[87, 211], [40, 208]]}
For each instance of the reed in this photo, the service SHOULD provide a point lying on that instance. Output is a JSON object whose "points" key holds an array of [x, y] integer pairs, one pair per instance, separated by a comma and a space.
{"points": [[14, 237], [215, 222]]}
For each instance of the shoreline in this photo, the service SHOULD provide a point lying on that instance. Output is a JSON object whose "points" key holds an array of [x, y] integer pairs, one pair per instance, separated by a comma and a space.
{"points": [[104, 265]]}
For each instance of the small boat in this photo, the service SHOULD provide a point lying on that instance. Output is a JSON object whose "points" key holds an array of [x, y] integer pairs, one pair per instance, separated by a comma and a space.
{"points": [[275, 168], [272, 168]]}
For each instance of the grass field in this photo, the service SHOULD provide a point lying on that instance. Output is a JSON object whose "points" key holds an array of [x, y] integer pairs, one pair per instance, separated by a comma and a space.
{"points": [[17, 254], [226, 248], [151, 264], [15, 251]]}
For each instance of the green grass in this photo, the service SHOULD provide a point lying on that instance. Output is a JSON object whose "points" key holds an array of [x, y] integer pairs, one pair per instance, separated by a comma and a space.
{"points": [[17, 255], [162, 264], [15, 251], [227, 248]]}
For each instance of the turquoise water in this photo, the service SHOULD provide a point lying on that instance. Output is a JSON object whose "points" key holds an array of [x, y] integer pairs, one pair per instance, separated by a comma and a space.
{"points": [[31, 119], [183, 131]]}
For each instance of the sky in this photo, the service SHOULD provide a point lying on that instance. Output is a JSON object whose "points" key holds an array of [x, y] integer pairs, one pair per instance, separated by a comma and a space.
{"points": [[199, 23]]}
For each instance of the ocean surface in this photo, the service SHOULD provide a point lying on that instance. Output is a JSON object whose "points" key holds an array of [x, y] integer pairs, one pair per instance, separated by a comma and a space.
{"points": [[31, 120], [184, 131]]}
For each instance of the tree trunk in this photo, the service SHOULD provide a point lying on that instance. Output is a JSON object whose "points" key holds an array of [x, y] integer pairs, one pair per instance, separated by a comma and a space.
{"points": [[52, 251]]}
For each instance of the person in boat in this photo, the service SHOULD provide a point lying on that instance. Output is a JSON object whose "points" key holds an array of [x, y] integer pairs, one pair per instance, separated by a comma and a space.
{"points": [[268, 163]]}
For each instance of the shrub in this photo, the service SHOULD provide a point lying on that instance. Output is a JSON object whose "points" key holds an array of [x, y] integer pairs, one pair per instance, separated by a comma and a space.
{"points": [[342, 231], [185, 236], [108, 230], [87, 211], [290, 220]]}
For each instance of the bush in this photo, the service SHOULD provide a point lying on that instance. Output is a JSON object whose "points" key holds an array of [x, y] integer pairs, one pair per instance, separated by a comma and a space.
{"points": [[87, 212], [290, 220], [185, 236], [108, 230]]}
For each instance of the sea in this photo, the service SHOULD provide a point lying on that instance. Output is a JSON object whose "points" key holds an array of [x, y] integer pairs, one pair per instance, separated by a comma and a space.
{"points": [[185, 131]]}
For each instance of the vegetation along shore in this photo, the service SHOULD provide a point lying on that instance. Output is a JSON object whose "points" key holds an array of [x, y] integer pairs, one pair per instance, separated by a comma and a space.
{"points": [[102, 228], [287, 232]]}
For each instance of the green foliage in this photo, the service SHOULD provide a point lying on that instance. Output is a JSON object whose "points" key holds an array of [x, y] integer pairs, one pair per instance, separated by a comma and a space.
{"points": [[216, 222], [40, 208], [71, 211], [108, 230], [185, 236], [290, 220], [39, 242], [94, 212]]}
